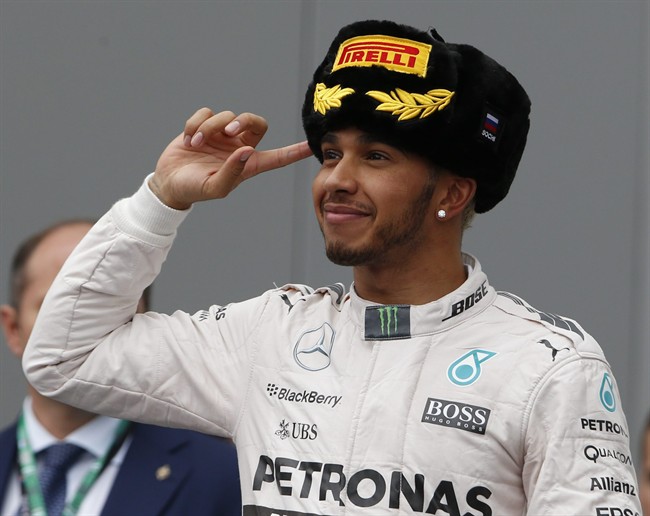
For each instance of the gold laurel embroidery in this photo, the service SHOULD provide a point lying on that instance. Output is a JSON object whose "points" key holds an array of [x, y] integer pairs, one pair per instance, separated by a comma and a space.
{"points": [[411, 105], [327, 98]]}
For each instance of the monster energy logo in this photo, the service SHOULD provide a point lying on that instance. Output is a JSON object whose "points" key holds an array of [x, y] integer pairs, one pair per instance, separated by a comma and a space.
{"points": [[388, 322], [388, 319]]}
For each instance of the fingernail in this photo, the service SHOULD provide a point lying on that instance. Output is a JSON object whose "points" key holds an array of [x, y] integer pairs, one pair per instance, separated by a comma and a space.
{"points": [[232, 127], [197, 139], [245, 156], [187, 141]]}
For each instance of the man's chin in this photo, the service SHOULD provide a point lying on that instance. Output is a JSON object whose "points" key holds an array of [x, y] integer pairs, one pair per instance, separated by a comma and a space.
{"points": [[348, 256]]}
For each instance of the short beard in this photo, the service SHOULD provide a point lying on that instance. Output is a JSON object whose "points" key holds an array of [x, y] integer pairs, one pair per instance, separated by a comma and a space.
{"points": [[403, 231]]}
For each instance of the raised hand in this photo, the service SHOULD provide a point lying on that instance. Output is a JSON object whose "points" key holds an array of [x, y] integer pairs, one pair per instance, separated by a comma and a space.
{"points": [[214, 154]]}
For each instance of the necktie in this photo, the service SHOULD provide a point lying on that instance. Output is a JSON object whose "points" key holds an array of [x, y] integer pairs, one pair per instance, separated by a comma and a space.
{"points": [[57, 459]]}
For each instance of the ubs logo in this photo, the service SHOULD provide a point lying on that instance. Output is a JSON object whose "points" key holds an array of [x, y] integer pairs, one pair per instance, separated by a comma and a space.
{"points": [[299, 431], [313, 351]]}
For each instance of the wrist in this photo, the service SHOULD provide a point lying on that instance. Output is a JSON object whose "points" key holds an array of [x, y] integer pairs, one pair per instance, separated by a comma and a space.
{"points": [[166, 199], [145, 217]]}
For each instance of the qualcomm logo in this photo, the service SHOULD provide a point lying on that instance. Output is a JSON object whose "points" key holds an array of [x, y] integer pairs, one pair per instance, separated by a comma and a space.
{"points": [[607, 397], [314, 348], [467, 369]]}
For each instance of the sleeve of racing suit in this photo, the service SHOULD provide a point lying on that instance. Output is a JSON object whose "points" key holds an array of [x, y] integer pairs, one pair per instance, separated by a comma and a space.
{"points": [[87, 348], [577, 456]]}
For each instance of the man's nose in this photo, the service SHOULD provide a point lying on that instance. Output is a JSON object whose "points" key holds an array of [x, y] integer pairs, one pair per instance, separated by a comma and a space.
{"points": [[342, 177]]}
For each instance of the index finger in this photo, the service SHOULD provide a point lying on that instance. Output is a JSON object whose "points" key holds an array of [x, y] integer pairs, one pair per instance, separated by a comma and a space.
{"points": [[261, 161]]}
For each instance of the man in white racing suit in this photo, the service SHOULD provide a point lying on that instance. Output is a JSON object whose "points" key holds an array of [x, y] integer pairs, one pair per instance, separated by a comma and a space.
{"points": [[423, 389]]}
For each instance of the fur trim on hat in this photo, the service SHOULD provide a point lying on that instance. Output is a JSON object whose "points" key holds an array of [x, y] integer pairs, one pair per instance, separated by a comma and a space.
{"points": [[448, 103]]}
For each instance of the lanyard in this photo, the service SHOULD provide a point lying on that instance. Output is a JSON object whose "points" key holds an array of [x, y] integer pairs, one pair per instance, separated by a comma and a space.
{"points": [[29, 472]]}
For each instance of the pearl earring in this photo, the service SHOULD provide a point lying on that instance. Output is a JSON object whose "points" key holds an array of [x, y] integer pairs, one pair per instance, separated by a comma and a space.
{"points": [[442, 214]]}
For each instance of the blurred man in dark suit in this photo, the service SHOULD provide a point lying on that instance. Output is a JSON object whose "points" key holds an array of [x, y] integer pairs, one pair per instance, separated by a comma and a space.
{"points": [[121, 467]]}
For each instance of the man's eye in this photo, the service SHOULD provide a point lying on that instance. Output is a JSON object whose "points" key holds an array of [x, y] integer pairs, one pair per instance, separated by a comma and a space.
{"points": [[376, 156], [330, 154]]}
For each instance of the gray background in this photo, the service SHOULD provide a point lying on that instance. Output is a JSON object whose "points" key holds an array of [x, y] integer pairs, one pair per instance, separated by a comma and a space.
{"points": [[91, 92]]}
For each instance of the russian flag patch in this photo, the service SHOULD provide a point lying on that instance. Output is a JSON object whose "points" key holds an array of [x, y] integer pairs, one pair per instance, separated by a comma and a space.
{"points": [[491, 123], [491, 126]]}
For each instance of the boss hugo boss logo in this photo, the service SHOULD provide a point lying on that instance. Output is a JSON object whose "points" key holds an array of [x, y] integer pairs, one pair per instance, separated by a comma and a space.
{"points": [[454, 414]]}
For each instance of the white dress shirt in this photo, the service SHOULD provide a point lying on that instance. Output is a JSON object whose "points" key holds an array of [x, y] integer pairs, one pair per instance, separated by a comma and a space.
{"points": [[96, 437]]}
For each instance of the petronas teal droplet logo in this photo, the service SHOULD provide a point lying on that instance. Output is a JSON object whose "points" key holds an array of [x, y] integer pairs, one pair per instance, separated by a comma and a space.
{"points": [[607, 397], [467, 369]]}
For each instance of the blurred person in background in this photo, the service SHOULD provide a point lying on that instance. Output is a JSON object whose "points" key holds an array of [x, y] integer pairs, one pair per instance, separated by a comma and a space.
{"points": [[56, 455]]}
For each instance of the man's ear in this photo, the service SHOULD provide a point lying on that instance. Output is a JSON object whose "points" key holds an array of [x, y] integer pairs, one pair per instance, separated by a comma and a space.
{"points": [[9, 322], [458, 192]]}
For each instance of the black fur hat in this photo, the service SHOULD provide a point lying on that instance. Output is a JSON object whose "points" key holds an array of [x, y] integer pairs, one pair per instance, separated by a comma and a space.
{"points": [[449, 103]]}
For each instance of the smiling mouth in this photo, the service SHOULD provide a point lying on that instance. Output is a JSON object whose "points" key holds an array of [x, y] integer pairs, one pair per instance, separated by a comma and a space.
{"points": [[334, 213]]}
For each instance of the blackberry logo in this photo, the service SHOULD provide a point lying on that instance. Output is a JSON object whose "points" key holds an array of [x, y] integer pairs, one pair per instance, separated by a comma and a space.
{"points": [[272, 389], [304, 396]]}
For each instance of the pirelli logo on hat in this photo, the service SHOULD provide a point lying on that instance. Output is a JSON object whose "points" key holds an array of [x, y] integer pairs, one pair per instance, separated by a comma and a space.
{"points": [[396, 54]]}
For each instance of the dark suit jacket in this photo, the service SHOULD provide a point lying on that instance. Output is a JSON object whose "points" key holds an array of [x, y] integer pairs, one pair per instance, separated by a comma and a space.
{"points": [[200, 477]]}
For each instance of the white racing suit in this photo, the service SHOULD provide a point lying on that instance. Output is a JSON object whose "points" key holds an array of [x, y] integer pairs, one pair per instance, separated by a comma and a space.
{"points": [[475, 404]]}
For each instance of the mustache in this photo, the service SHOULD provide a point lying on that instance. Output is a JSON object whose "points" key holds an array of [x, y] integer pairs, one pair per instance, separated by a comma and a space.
{"points": [[343, 199]]}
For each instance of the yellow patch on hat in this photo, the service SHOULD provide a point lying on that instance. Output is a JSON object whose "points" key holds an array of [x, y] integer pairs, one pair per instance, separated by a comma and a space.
{"points": [[396, 54], [407, 105], [327, 98]]}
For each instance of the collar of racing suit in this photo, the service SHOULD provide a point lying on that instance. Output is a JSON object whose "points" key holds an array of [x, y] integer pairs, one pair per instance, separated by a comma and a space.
{"points": [[391, 322]]}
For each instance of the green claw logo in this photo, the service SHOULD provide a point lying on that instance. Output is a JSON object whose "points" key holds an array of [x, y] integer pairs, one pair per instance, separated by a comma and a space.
{"points": [[388, 320]]}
